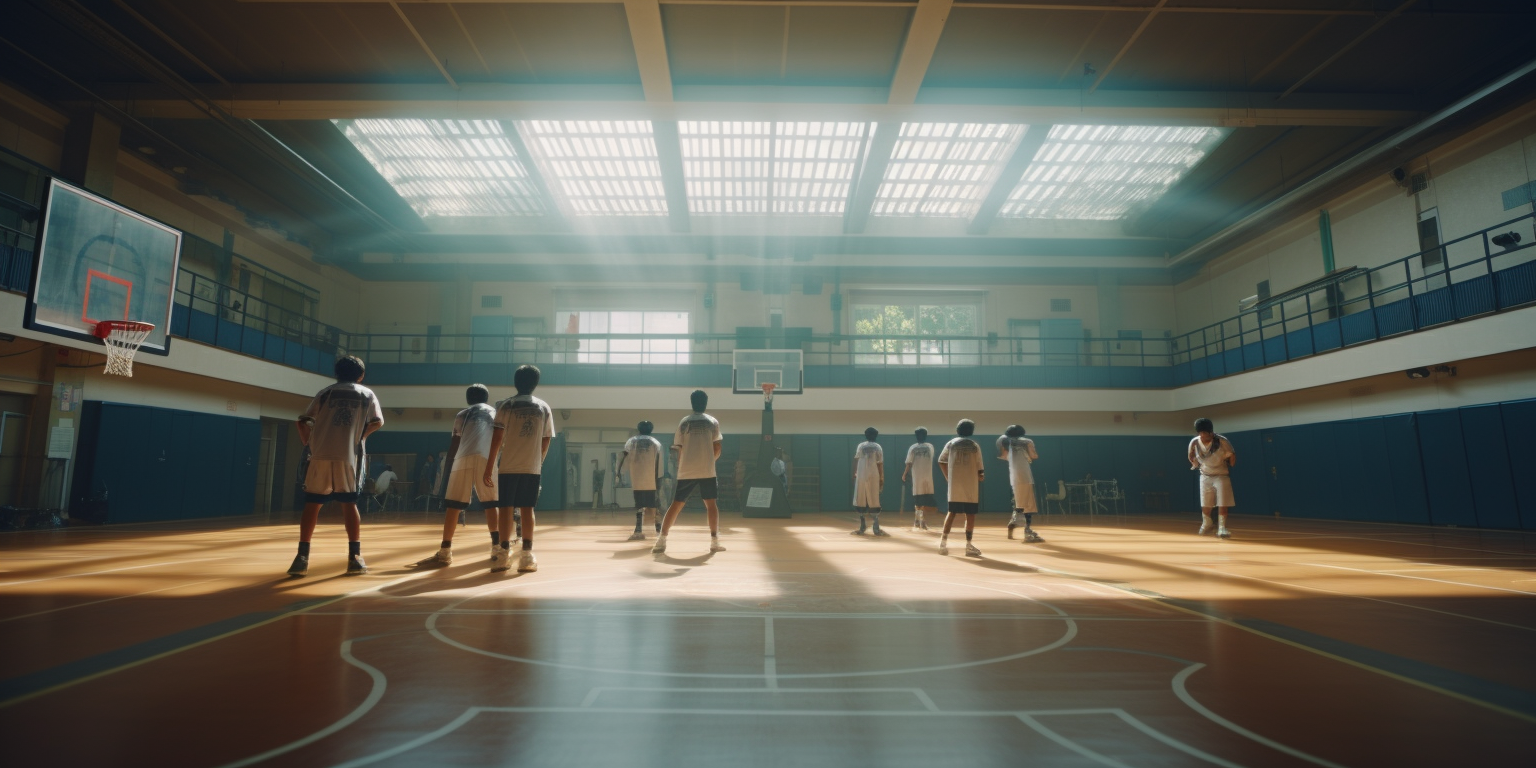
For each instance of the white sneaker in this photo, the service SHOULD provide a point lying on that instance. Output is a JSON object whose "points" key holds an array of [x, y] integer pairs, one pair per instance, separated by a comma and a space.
{"points": [[1223, 533], [502, 560], [715, 545], [943, 547], [1203, 528], [971, 550], [660, 547], [637, 536], [494, 549], [1030, 537], [442, 558], [527, 563]]}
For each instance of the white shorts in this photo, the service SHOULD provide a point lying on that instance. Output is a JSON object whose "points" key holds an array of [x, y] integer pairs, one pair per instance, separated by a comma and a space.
{"points": [[866, 495], [1024, 498], [468, 475], [1216, 491], [331, 481]]}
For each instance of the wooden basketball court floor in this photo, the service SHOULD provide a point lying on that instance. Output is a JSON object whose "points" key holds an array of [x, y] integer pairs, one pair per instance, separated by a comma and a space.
{"points": [[1119, 641]]}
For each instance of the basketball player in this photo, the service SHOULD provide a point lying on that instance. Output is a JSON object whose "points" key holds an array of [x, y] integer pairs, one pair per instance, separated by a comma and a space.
{"points": [[334, 427], [697, 444], [520, 438], [960, 461], [1214, 457], [920, 467], [643, 472], [1020, 453], [470, 449], [868, 479]]}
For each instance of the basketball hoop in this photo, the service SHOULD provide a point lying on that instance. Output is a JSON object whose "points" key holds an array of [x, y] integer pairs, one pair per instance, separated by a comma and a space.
{"points": [[768, 389], [122, 339]]}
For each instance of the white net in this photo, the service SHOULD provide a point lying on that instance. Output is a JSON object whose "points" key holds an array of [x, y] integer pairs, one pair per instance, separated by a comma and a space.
{"points": [[122, 341]]}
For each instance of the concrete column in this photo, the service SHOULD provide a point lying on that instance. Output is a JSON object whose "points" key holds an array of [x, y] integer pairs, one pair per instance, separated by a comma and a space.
{"points": [[1109, 303], [90, 151]]}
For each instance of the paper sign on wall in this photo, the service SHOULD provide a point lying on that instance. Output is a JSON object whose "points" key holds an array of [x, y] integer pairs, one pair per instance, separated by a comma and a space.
{"points": [[761, 498]]}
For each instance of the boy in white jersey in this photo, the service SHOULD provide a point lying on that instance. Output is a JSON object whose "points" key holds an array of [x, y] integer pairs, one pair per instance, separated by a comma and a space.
{"points": [[334, 427], [697, 444], [960, 461], [468, 452], [1213, 456], [920, 467], [868, 479], [1020, 453], [519, 441], [646, 465]]}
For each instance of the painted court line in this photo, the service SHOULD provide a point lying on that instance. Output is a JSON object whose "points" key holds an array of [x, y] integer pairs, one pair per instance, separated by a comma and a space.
{"points": [[103, 600], [1421, 578], [1180, 690], [1379, 600], [109, 570]]}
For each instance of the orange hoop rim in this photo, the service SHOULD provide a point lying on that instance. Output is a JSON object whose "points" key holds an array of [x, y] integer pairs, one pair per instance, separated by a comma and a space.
{"points": [[106, 327], [768, 387]]}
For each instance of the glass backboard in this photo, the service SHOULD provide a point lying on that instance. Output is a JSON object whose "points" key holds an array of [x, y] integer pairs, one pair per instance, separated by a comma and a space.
{"points": [[97, 260], [752, 368]]}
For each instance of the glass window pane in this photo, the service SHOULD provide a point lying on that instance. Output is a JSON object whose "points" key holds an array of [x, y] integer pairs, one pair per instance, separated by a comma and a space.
{"points": [[448, 167], [1107, 172], [944, 169]]}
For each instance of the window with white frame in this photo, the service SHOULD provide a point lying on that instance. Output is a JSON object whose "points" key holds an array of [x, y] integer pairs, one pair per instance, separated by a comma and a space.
{"points": [[674, 351], [912, 334]]}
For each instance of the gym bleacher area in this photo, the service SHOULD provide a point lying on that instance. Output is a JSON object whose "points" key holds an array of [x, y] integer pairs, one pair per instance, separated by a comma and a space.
{"points": [[1308, 220]]}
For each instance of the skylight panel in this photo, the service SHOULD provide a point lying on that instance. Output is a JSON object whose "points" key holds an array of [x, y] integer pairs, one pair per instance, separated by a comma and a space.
{"points": [[448, 167], [944, 169], [786, 168], [1106, 172], [599, 167]]}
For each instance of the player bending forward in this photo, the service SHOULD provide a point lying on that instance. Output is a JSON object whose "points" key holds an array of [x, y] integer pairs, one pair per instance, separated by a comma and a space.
{"points": [[334, 427], [644, 470], [1020, 453], [468, 453], [960, 461], [868, 479], [1213, 455], [520, 438], [920, 467], [697, 443]]}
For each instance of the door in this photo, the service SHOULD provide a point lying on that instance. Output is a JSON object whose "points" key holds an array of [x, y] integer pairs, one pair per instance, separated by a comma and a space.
{"points": [[13, 443]]}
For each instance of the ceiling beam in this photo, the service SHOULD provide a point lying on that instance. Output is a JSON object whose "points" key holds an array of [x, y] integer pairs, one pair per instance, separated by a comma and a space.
{"points": [[318, 101], [861, 194], [1381, 22], [536, 176], [1124, 49], [1008, 178], [669, 155], [917, 52], [424, 47], [1014, 6], [650, 41]]}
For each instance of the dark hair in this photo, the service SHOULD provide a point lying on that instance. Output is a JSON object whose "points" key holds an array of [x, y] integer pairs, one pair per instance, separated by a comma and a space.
{"points": [[1014, 430], [350, 368], [476, 393], [965, 428], [526, 379], [700, 400], [389, 467], [871, 433], [645, 427], [922, 434], [1204, 425]]}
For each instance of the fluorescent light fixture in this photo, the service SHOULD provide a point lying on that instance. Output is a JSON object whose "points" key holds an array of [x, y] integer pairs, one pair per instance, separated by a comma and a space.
{"points": [[944, 169], [448, 167], [1106, 172], [598, 167], [786, 168]]}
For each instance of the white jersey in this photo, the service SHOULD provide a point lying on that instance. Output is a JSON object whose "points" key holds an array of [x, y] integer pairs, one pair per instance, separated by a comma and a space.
{"points": [[695, 442], [869, 458], [645, 464], [920, 456], [336, 418], [1020, 453], [473, 427], [525, 421], [963, 456], [1212, 459]]}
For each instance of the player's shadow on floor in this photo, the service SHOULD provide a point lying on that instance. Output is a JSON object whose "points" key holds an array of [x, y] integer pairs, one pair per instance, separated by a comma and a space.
{"points": [[1001, 565], [450, 578], [641, 549], [290, 582], [689, 561]]}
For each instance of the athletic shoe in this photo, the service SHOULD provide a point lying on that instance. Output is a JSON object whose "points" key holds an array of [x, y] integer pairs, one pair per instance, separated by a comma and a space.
{"points": [[356, 566], [660, 547], [943, 547], [494, 549], [502, 561], [879, 532], [527, 563], [300, 566], [1010, 530], [971, 550], [1223, 533], [637, 536], [715, 545], [859, 532], [1030, 537], [1203, 528], [442, 558]]}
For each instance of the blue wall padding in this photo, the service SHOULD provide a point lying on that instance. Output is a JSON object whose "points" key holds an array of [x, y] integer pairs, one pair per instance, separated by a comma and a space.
{"points": [[1488, 467], [1519, 425], [1408, 501], [1446, 479]]}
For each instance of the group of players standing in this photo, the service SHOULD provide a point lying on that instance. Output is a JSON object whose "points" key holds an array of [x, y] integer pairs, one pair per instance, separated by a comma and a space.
{"points": [[497, 454]]}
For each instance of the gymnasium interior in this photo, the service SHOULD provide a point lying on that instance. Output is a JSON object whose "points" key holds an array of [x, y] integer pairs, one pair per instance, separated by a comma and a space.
{"points": [[1309, 221]]}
